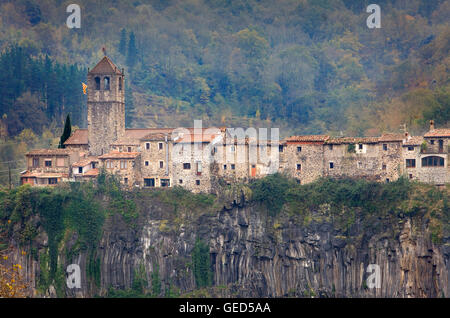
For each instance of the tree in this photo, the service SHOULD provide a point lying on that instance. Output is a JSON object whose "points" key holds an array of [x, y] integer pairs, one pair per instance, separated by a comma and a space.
{"points": [[66, 133], [123, 42], [132, 50]]}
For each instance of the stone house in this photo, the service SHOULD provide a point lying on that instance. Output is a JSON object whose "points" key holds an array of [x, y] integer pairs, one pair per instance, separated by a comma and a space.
{"points": [[302, 157], [125, 165], [48, 166]]}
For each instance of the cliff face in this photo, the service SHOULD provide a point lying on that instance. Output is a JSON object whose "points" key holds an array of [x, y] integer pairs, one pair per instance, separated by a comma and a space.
{"points": [[255, 255]]}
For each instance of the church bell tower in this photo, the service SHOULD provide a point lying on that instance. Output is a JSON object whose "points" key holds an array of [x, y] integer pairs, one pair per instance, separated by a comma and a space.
{"points": [[106, 106]]}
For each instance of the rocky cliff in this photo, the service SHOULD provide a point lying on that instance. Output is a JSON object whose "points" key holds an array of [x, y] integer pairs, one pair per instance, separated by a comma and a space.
{"points": [[252, 254]]}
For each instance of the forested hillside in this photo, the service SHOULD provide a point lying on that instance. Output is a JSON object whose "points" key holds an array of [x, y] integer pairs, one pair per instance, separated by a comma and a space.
{"points": [[305, 66]]}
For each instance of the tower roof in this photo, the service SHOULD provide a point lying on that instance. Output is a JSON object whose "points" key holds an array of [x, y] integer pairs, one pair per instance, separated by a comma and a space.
{"points": [[105, 66]]}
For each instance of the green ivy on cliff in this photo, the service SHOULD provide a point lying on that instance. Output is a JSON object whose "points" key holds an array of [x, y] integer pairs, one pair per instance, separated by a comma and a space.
{"points": [[202, 264]]}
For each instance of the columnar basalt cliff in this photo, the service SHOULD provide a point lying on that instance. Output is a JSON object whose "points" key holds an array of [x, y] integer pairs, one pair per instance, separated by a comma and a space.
{"points": [[252, 254]]}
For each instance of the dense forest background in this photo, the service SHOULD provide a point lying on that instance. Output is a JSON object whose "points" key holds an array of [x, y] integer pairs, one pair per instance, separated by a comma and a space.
{"points": [[305, 66]]}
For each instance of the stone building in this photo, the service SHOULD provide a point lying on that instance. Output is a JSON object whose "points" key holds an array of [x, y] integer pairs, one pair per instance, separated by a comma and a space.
{"points": [[48, 166], [197, 158]]}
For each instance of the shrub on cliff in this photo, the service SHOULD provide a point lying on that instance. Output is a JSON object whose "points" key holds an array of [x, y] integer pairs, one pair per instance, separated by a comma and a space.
{"points": [[271, 191]]}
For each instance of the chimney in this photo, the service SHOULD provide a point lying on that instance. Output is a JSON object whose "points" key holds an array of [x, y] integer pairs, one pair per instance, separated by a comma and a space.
{"points": [[431, 125]]}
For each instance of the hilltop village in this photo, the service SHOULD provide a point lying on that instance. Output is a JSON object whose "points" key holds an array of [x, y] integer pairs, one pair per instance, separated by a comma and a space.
{"points": [[196, 158]]}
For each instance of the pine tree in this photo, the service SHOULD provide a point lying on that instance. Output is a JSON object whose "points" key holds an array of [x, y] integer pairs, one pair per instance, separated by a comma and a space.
{"points": [[123, 42], [66, 133], [132, 50]]}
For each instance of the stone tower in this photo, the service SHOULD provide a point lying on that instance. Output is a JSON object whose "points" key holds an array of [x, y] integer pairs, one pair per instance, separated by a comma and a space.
{"points": [[106, 106]]}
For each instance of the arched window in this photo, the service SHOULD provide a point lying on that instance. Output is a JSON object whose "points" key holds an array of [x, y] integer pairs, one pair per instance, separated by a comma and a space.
{"points": [[120, 83], [97, 83], [106, 83], [432, 161]]}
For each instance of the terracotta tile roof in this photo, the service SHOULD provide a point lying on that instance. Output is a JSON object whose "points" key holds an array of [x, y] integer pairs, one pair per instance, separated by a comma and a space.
{"points": [[413, 141], [392, 137], [156, 136], [30, 174], [191, 138], [307, 138], [126, 142], [91, 173], [120, 155], [351, 140], [105, 66], [85, 161], [442, 132], [78, 137], [61, 152]]}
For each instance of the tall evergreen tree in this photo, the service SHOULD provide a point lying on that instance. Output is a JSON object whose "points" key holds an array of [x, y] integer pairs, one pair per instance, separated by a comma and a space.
{"points": [[66, 133], [132, 50], [123, 42]]}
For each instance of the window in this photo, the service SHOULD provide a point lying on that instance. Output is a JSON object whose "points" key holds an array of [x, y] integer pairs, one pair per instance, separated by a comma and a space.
{"points": [[233, 166], [180, 181], [359, 165], [93, 165], [432, 161], [432, 141], [299, 167], [129, 149], [150, 182], [330, 147], [120, 83], [410, 163], [106, 83], [35, 162], [232, 148], [160, 146], [298, 181], [147, 145], [410, 176], [387, 180], [280, 148], [125, 180], [186, 166], [199, 168], [165, 182], [123, 164], [48, 163], [224, 167], [299, 149], [146, 163], [80, 169], [109, 164], [197, 182], [410, 148], [383, 167], [331, 165], [441, 145], [360, 146], [161, 164], [97, 83], [52, 180], [384, 146]]}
